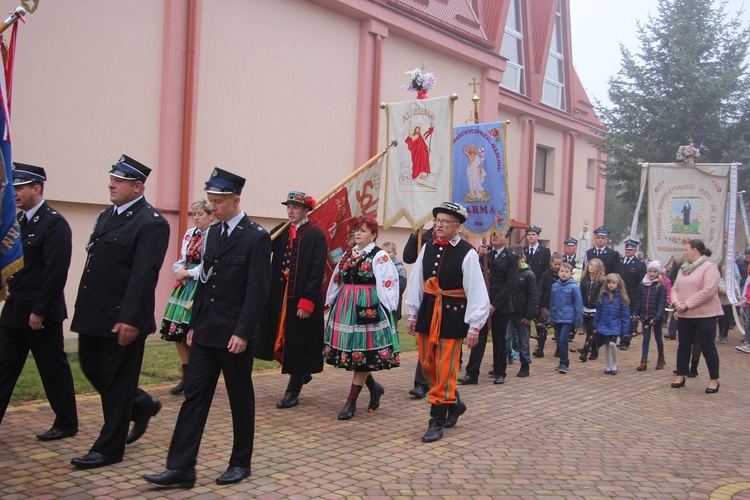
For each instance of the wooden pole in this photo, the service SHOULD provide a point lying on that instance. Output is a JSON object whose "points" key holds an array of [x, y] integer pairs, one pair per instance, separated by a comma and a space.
{"points": [[341, 184]]}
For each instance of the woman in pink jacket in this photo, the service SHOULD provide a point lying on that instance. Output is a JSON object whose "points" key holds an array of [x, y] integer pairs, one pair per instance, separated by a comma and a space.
{"points": [[695, 298]]}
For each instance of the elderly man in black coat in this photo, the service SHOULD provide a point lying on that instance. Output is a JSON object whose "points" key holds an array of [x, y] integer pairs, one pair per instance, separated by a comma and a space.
{"points": [[225, 328], [293, 325], [115, 309]]}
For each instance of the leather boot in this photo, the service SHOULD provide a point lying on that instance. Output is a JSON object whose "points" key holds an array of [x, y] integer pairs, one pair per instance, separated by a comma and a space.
{"points": [[376, 390], [347, 412], [179, 388], [437, 422], [660, 362], [454, 411], [644, 364]]}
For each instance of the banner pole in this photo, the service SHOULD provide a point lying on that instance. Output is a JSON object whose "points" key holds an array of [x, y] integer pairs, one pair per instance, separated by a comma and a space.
{"points": [[338, 186]]}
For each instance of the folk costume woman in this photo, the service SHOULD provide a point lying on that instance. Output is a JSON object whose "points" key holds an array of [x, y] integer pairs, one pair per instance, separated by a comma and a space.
{"points": [[174, 326], [361, 335]]}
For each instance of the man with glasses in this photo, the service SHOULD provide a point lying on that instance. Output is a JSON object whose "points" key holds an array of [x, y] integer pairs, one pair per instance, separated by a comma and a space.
{"points": [[447, 301]]}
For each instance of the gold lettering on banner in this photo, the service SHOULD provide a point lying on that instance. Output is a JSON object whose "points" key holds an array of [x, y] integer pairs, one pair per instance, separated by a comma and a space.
{"points": [[418, 111]]}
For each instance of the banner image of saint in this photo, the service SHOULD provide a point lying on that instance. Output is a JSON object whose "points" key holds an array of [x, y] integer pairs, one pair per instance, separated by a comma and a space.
{"points": [[418, 169], [480, 179], [682, 221]]}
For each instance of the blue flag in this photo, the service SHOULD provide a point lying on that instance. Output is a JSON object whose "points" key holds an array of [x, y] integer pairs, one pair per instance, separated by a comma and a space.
{"points": [[11, 249], [480, 178]]}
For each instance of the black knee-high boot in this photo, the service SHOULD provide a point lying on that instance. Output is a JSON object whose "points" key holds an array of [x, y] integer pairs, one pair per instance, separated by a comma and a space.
{"points": [[456, 410], [179, 388], [376, 390], [350, 406], [438, 415]]}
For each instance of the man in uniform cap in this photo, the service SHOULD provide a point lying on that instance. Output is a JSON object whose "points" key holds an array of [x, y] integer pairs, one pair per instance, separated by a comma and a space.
{"points": [[225, 327], [538, 256], [633, 270], [115, 309], [293, 325], [35, 308], [447, 301], [571, 247], [609, 257]]}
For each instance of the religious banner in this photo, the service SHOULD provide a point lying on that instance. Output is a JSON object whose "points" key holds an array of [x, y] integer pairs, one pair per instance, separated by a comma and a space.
{"points": [[480, 179], [336, 214], [689, 201], [418, 170]]}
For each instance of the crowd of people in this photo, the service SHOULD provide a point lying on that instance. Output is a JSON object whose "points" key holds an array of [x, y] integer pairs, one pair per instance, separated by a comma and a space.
{"points": [[242, 293]]}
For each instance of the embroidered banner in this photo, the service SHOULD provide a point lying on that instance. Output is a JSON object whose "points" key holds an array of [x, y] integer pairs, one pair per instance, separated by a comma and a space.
{"points": [[336, 214], [687, 201], [480, 179], [418, 170]]}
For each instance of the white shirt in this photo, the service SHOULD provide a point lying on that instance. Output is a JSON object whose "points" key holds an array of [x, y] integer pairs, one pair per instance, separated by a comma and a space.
{"points": [[232, 223], [386, 280], [30, 213], [125, 206], [477, 299]]}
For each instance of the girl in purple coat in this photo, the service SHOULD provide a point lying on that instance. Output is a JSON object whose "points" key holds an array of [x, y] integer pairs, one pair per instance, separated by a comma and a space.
{"points": [[612, 318]]}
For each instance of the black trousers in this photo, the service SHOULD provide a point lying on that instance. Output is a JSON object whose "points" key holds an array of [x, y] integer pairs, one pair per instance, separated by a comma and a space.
{"points": [[499, 349], [702, 331], [47, 346], [113, 370], [206, 363]]}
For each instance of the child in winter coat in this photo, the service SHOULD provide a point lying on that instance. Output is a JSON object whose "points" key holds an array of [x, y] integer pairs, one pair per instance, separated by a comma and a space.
{"points": [[525, 305], [612, 318], [591, 286], [649, 308], [549, 278], [565, 312]]}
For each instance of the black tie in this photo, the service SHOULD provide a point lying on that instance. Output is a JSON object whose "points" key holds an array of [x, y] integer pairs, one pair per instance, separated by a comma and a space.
{"points": [[531, 252], [598, 253], [224, 232], [22, 220]]}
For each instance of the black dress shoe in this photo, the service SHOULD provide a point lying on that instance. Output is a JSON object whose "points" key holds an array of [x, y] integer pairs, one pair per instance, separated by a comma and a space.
{"points": [[677, 385], [492, 374], [172, 478], [94, 459], [454, 411], [140, 423], [56, 433], [467, 380], [418, 392], [692, 373], [233, 475], [538, 353], [713, 391], [290, 399], [499, 380], [178, 389], [594, 356]]}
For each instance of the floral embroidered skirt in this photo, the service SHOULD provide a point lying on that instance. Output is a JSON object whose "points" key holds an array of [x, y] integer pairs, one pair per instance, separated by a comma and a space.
{"points": [[360, 335], [174, 326]]}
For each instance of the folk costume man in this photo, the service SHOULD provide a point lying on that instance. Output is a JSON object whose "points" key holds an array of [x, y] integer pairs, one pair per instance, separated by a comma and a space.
{"points": [[503, 274], [225, 328], [35, 308], [569, 254], [633, 270], [293, 325], [115, 309], [609, 257], [447, 301]]}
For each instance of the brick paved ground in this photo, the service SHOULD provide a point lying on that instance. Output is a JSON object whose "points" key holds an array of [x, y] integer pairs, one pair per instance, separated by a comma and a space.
{"points": [[580, 435]]}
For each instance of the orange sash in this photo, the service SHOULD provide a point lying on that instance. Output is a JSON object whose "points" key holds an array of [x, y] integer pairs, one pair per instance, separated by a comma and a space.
{"points": [[278, 347], [432, 287]]}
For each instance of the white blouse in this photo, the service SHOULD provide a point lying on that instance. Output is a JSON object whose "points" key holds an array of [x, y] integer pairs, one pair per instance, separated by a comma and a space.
{"points": [[386, 280], [180, 264]]}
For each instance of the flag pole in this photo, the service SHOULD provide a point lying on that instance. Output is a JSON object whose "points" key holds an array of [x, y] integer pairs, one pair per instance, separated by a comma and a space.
{"points": [[338, 186], [14, 16]]}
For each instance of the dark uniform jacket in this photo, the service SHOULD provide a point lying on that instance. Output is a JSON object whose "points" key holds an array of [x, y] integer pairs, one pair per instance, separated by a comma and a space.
{"points": [[232, 298], [539, 262], [569, 260], [38, 287], [632, 274], [303, 338], [503, 273], [610, 258], [125, 254]]}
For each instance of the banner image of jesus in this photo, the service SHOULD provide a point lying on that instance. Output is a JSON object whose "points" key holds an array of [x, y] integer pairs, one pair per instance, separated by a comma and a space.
{"points": [[420, 152]]}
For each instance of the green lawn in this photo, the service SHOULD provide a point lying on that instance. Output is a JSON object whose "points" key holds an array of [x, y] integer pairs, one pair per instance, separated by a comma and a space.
{"points": [[160, 364]]}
